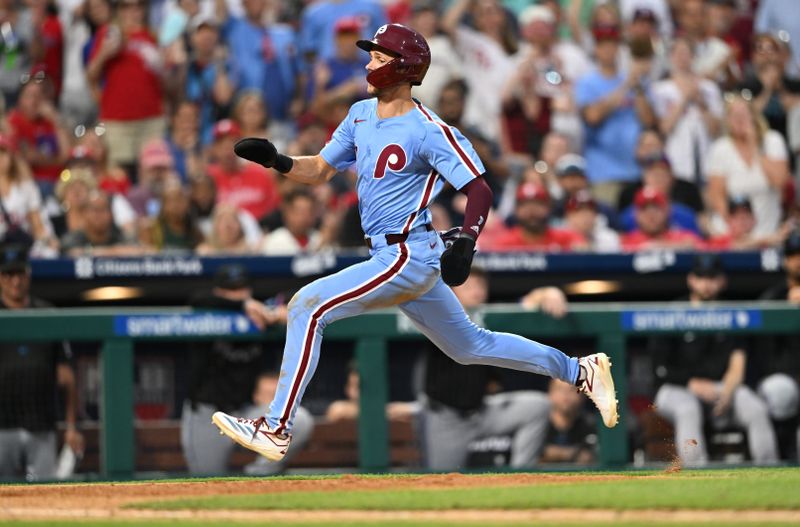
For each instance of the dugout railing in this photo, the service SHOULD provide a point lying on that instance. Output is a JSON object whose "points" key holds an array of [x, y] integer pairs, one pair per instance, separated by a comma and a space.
{"points": [[609, 324]]}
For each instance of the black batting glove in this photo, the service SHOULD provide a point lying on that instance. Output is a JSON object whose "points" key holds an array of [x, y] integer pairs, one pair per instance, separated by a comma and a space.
{"points": [[264, 153], [457, 260]]}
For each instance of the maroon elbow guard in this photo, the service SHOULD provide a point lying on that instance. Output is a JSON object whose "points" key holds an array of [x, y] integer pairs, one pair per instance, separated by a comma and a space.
{"points": [[479, 201]]}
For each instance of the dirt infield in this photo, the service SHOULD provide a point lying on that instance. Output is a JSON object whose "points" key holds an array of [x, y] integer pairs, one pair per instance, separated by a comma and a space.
{"points": [[84, 501]]}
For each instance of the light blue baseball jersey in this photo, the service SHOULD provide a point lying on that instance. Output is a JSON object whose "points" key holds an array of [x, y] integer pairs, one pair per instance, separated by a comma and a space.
{"points": [[402, 163]]}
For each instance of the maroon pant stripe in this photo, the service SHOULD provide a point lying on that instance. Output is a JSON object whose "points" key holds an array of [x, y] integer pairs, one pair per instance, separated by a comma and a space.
{"points": [[312, 326]]}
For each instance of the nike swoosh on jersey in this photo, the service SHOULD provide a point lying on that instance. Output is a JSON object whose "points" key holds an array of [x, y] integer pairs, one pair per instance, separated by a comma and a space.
{"points": [[359, 121]]}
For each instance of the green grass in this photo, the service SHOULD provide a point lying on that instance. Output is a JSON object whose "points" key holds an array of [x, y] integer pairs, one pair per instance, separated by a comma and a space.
{"points": [[719, 489], [200, 523]]}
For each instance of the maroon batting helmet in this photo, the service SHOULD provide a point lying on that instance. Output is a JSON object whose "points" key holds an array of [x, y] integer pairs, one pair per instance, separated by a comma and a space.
{"points": [[411, 51]]}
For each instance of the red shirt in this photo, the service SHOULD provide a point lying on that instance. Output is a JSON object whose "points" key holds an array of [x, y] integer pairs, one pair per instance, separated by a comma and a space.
{"points": [[251, 188], [633, 241], [53, 42], [39, 135], [553, 240], [131, 85]]}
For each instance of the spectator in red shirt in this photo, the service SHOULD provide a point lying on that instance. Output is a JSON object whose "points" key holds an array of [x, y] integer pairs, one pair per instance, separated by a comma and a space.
{"points": [[241, 183], [653, 229], [47, 48], [37, 131], [533, 232], [741, 223], [127, 62]]}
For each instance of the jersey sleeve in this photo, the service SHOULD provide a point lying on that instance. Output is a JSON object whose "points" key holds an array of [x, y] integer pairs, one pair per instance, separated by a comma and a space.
{"points": [[340, 152], [451, 154]]}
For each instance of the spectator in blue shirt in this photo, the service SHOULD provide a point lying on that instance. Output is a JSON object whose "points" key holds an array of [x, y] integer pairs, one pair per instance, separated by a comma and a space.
{"points": [[614, 108], [265, 58], [317, 33], [341, 76], [208, 81]]}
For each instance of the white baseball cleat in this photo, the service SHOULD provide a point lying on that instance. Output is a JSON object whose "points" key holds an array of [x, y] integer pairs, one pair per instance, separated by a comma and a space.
{"points": [[598, 384], [253, 434]]}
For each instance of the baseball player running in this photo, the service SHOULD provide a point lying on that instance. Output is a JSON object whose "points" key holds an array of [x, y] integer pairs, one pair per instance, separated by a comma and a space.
{"points": [[404, 154]]}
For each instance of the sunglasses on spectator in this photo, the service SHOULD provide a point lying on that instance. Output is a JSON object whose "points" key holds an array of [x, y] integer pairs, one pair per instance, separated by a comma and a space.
{"points": [[745, 94], [765, 47], [37, 78], [81, 129]]}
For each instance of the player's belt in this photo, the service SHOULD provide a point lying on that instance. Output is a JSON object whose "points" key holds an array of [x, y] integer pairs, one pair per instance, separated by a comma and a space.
{"points": [[392, 239]]}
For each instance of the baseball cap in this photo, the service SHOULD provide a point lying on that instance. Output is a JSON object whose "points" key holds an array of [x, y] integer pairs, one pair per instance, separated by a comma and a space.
{"points": [[580, 200], [156, 154], [739, 202], [13, 259], [536, 13], [644, 13], [654, 159], [707, 265], [570, 164], [606, 32], [791, 246], [204, 21], [531, 191], [231, 276], [226, 128], [650, 196], [348, 24]]}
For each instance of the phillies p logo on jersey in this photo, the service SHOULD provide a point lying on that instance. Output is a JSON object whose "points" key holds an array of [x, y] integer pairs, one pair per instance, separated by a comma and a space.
{"points": [[392, 156]]}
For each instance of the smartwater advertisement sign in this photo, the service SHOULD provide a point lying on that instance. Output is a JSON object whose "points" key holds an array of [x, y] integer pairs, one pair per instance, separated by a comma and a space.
{"points": [[691, 319], [188, 325]]}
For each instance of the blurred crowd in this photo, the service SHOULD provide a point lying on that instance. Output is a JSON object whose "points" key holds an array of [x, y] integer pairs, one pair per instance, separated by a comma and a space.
{"points": [[604, 125]]}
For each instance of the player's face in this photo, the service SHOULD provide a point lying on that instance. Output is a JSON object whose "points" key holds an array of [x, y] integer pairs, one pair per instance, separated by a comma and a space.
{"points": [[792, 265], [377, 59], [706, 288], [15, 285]]}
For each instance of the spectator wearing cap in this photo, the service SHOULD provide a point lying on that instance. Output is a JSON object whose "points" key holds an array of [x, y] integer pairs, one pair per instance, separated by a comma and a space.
{"points": [[342, 75], [740, 230], [207, 79], [614, 107], [778, 360], [657, 12], [701, 378], [686, 202], [570, 171], [488, 50], [581, 216], [300, 213], [38, 132], [445, 62], [690, 110], [750, 161], [22, 219], [156, 165], [653, 227], [539, 96], [645, 42], [99, 236], [318, 20], [241, 183], [774, 16], [774, 91], [265, 57], [30, 375], [128, 64], [533, 231]]}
